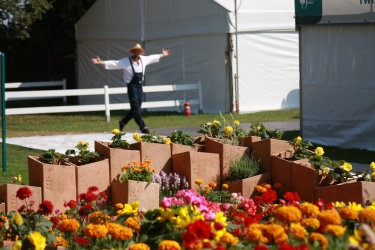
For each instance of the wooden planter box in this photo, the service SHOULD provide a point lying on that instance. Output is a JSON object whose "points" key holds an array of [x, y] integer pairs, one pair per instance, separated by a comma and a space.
{"points": [[159, 154], [129, 191], [248, 141], [305, 179], [281, 171], [92, 174], [2, 207], [246, 186], [58, 182], [197, 165], [117, 157], [228, 153], [264, 149], [361, 192], [8, 195], [179, 148]]}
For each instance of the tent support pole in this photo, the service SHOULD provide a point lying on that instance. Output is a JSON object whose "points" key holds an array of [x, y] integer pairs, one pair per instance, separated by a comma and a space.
{"points": [[236, 76]]}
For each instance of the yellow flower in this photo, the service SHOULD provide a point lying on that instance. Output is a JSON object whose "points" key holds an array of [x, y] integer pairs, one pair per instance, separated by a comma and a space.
{"points": [[38, 240], [169, 245], [167, 140], [373, 176], [228, 130], [346, 167], [326, 171], [216, 123], [84, 144], [225, 186], [19, 178], [355, 206], [339, 204], [236, 122], [298, 140], [137, 137], [115, 131], [372, 166], [198, 181], [319, 151], [17, 245], [17, 218]]}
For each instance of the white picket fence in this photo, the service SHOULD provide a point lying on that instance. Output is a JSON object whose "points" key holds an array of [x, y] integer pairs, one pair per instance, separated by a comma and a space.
{"points": [[106, 106]]}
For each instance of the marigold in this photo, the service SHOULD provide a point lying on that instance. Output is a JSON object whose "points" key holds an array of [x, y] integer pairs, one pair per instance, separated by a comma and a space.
{"points": [[260, 189], [335, 230], [326, 217], [169, 245], [225, 186], [69, 225], [132, 222], [229, 239], [298, 230], [288, 214], [212, 184], [95, 231], [275, 232], [366, 216], [255, 233], [348, 214], [119, 232], [309, 209], [139, 246], [312, 223], [198, 181], [320, 238]]}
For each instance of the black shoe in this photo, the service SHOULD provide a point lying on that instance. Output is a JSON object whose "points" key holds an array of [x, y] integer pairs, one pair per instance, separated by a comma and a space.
{"points": [[145, 130], [121, 125]]}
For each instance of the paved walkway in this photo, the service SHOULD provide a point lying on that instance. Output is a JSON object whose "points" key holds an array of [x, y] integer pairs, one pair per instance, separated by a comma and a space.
{"points": [[61, 143]]}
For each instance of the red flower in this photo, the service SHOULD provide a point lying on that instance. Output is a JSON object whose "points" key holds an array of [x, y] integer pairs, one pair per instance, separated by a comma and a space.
{"points": [[260, 247], [23, 193], [284, 245], [71, 204], [269, 196], [55, 221], [289, 196], [89, 197], [82, 241], [46, 207], [92, 189], [85, 210], [196, 231]]}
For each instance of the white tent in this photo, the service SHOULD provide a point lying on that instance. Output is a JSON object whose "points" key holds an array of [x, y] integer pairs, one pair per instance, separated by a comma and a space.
{"points": [[202, 37], [337, 72]]}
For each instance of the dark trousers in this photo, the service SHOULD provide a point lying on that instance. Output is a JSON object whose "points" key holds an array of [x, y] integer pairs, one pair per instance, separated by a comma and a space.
{"points": [[135, 93]]}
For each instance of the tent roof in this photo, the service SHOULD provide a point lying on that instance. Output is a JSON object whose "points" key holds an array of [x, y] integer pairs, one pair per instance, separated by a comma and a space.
{"points": [[156, 19]]}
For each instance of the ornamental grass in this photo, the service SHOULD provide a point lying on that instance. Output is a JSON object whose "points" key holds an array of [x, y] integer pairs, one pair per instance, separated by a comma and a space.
{"points": [[188, 220]]}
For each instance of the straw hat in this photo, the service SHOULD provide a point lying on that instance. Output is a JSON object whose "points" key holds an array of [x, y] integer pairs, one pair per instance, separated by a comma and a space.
{"points": [[138, 47]]}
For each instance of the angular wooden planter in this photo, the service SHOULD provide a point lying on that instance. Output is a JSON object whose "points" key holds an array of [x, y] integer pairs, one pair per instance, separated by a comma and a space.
{"points": [[246, 186], [159, 154], [92, 174], [179, 148], [264, 149], [228, 153], [281, 171], [197, 165], [8, 195], [305, 179], [58, 182], [2, 207], [248, 141], [117, 158], [129, 191], [361, 192]]}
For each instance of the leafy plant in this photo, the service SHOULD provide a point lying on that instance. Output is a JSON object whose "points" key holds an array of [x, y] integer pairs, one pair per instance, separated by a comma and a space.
{"points": [[243, 168], [116, 140], [170, 183], [84, 155], [179, 137], [52, 157], [151, 138], [210, 194], [258, 129], [137, 171], [301, 148]]}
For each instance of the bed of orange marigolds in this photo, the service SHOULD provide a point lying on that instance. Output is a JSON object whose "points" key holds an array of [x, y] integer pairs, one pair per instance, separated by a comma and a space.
{"points": [[188, 221]]}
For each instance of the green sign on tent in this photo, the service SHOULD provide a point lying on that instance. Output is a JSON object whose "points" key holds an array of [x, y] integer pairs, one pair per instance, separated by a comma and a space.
{"points": [[308, 11]]}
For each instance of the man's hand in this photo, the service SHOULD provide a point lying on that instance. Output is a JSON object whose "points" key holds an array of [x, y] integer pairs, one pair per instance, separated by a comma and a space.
{"points": [[97, 60], [165, 53]]}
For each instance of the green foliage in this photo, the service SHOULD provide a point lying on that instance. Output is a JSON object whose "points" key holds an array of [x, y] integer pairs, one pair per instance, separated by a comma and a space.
{"points": [[258, 129], [152, 138], [180, 137], [52, 157], [84, 155], [301, 148], [222, 196], [243, 168], [116, 140], [137, 171]]}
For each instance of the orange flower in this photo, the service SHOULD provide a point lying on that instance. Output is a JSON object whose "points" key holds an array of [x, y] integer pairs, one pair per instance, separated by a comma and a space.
{"points": [[288, 214], [320, 238], [335, 230], [139, 246], [312, 223], [69, 225], [348, 213], [198, 181], [127, 166], [169, 245], [260, 189], [119, 232], [225, 186], [277, 185], [366, 216], [132, 223], [212, 184], [298, 230], [309, 209], [329, 217]]}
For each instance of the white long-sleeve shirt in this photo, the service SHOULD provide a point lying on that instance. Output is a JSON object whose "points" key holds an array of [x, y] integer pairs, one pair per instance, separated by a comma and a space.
{"points": [[124, 64]]}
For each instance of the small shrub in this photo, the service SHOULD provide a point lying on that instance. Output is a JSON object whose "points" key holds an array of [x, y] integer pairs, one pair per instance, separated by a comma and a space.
{"points": [[243, 168]]}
